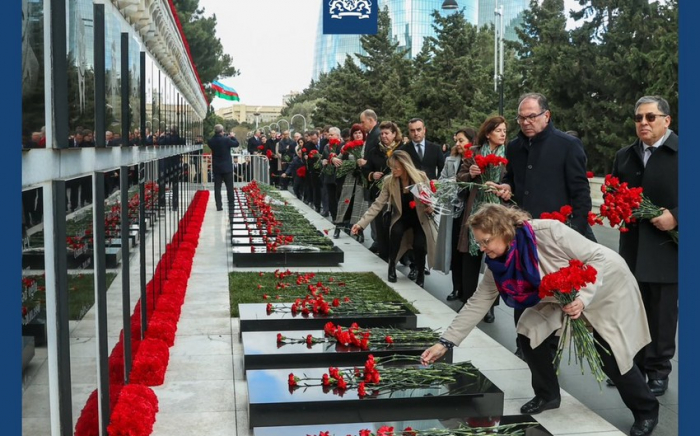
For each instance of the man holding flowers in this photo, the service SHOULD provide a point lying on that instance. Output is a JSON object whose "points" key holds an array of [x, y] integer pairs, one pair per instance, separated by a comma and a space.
{"points": [[546, 168], [519, 251], [651, 163]]}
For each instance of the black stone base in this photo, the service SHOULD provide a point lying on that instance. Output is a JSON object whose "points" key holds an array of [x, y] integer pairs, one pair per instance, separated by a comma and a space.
{"points": [[353, 429], [254, 317], [35, 260], [261, 351], [244, 257], [272, 404]]}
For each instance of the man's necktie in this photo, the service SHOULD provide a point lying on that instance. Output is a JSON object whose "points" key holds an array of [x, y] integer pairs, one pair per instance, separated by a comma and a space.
{"points": [[647, 154], [419, 150]]}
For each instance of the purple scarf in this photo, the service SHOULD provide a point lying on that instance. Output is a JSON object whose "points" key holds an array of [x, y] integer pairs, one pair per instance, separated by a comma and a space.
{"points": [[518, 275]]}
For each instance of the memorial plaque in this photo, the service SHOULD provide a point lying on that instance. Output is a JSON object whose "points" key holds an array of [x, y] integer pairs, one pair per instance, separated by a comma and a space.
{"points": [[254, 317], [246, 258], [245, 233], [272, 403], [530, 426], [261, 351], [247, 241]]}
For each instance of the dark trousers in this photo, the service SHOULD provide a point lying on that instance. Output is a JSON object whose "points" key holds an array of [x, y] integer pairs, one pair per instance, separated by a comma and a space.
{"points": [[419, 241], [227, 178], [382, 241], [332, 199], [316, 192], [298, 186], [471, 268], [632, 387], [661, 306]]}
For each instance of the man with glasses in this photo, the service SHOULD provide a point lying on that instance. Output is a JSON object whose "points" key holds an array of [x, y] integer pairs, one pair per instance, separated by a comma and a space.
{"points": [[546, 170], [651, 162]]}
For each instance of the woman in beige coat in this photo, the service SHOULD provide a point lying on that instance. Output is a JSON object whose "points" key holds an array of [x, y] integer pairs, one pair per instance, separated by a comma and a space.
{"points": [[612, 305], [412, 223]]}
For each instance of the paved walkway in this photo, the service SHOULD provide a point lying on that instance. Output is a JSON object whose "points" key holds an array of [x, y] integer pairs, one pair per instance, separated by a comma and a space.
{"points": [[205, 393]]}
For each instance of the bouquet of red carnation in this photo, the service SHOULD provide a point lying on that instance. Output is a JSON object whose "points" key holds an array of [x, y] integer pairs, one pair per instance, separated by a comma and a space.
{"points": [[564, 285], [353, 150], [261, 147], [490, 166], [301, 172], [563, 215], [623, 205]]}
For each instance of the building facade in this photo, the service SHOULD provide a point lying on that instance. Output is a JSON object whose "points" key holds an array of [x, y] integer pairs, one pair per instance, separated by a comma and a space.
{"points": [[512, 15], [250, 114], [411, 23]]}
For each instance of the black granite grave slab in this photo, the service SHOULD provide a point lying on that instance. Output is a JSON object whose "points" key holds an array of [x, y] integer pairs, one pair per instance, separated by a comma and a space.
{"points": [[530, 428], [272, 403], [261, 351], [245, 257], [254, 317]]}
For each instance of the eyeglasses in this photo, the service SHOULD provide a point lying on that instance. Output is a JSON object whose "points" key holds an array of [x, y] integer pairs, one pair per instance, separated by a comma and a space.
{"points": [[485, 243], [530, 118], [651, 117]]}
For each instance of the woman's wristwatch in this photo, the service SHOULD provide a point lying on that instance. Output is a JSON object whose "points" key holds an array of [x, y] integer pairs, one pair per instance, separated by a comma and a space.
{"points": [[447, 344]]}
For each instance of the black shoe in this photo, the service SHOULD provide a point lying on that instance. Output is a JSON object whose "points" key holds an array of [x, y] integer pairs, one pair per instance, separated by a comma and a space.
{"points": [[420, 278], [392, 272], [490, 317], [658, 386], [325, 214], [336, 233], [453, 296], [427, 272], [412, 274], [610, 383], [538, 405], [219, 208], [360, 238], [374, 248], [643, 427]]}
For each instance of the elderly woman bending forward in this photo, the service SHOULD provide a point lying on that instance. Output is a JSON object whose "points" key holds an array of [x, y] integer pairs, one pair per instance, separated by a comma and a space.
{"points": [[412, 224], [519, 251]]}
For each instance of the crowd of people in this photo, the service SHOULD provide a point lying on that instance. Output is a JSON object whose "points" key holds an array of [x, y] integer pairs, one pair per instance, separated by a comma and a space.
{"points": [[363, 176]]}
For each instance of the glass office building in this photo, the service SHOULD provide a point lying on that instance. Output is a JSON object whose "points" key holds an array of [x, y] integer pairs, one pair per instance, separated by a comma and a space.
{"points": [[411, 23], [512, 14]]}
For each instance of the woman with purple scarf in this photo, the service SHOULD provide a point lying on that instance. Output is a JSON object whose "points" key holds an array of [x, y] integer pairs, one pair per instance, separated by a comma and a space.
{"points": [[519, 251]]}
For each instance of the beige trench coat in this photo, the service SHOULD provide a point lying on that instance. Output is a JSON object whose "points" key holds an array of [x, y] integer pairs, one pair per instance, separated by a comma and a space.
{"points": [[612, 305], [394, 199]]}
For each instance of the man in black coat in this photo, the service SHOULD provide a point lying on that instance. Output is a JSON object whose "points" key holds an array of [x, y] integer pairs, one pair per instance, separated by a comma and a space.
{"points": [[546, 170], [651, 162], [221, 165], [426, 156], [254, 142]]}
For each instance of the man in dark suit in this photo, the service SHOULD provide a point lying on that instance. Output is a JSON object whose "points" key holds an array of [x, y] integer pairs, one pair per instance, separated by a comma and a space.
{"points": [[651, 162], [286, 150], [222, 167], [427, 157], [546, 170], [313, 176], [254, 142]]}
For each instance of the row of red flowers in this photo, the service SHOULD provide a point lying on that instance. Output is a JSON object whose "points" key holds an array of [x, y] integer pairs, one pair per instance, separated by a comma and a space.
{"points": [[134, 405]]}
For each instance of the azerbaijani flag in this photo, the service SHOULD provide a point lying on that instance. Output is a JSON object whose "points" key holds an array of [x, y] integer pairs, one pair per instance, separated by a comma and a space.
{"points": [[223, 91]]}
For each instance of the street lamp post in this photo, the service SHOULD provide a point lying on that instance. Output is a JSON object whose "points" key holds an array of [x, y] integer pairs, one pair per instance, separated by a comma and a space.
{"points": [[302, 117], [498, 58]]}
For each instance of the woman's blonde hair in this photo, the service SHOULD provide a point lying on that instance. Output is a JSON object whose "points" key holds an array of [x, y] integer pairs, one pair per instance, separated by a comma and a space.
{"points": [[402, 157], [498, 220]]}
